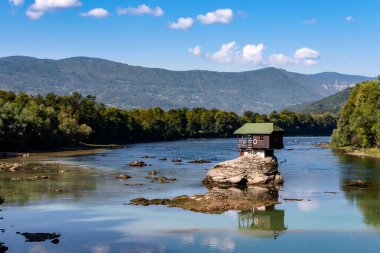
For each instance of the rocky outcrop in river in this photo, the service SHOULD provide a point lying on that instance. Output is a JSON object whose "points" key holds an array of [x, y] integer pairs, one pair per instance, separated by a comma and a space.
{"points": [[245, 171]]}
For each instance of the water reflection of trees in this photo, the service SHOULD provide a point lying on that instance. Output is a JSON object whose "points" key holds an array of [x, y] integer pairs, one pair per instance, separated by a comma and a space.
{"points": [[366, 198], [63, 182], [262, 222]]}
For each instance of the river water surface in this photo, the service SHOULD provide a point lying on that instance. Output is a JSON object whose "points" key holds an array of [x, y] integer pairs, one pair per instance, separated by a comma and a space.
{"points": [[89, 207]]}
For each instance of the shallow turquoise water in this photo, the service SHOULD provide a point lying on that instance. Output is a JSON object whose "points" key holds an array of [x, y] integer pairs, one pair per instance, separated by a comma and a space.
{"points": [[94, 218]]}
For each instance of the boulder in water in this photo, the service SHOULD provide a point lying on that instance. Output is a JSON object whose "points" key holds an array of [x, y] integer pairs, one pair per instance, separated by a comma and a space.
{"points": [[245, 171]]}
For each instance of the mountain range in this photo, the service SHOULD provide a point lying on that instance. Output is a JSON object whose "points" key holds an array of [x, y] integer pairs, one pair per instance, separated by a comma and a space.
{"points": [[126, 86]]}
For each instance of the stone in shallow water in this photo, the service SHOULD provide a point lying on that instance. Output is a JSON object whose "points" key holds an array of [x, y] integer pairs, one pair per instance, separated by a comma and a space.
{"points": [[137, 164], [357, 184], [41, 237], [3, 248], [163, 179], [200, 161], [123, 177]]}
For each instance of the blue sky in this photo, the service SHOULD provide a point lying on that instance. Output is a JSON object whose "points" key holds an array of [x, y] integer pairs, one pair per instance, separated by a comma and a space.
{"points": [[306, 36]]}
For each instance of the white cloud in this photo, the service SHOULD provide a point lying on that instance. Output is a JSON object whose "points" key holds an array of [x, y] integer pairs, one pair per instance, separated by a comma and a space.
{"points": [[253, 54], [226, 53], [16, 2], [349, 19], [140, 10], [223, 16], [182, 23], [195, 50], [309, 62], [230, 53], [306, 53], [310, 21], [279, 60], [39, 7], [97, 13]]}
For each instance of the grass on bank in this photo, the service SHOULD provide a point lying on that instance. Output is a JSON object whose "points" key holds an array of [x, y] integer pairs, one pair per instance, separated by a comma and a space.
{"points": [[106, 146], [371, 152]]}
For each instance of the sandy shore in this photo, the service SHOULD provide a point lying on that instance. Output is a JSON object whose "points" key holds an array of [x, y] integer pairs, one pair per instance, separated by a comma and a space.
{"points": [[43, 155]]}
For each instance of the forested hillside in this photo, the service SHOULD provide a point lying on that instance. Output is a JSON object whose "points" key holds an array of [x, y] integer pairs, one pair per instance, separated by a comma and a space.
{"points": [[359, 119], [331, 104]]}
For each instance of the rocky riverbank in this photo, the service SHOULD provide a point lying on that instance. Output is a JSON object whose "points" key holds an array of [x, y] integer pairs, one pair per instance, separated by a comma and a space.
{"points": [[245, 171]]}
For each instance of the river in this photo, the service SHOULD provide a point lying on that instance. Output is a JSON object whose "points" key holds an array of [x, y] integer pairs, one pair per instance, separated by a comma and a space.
{"points": [[89, 207]]}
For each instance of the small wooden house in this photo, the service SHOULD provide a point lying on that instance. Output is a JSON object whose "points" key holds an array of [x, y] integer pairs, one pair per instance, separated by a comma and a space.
{"points": [[259, 139]]}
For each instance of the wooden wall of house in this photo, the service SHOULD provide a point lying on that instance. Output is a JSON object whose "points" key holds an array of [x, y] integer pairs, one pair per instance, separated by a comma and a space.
{"points": [[276, 140], [264, 143], [273, 141]]}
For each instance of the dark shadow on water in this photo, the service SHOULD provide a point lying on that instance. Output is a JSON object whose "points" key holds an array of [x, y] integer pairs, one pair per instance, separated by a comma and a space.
{"points": [[366, 198]]}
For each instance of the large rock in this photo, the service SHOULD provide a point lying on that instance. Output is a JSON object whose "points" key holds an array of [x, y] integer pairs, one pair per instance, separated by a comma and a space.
{"points": [[245, 171]]}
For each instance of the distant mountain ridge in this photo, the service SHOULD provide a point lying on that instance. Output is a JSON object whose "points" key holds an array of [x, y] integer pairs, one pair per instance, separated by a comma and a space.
{"points": [[331, 103], [126, 86]]}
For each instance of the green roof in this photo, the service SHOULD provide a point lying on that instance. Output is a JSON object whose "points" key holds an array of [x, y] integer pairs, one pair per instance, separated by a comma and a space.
{"points": [[258, 128]]}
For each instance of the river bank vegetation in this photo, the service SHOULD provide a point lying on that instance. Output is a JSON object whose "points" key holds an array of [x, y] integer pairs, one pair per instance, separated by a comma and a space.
{"points": [[54, 121], [358, 126]]}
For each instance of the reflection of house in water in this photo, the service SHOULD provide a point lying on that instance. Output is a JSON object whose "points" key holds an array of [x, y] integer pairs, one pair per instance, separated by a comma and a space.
{"points": [[267, 222]]}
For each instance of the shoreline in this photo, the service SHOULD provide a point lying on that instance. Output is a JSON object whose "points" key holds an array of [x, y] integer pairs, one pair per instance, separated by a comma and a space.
{"points": [[40, 156], [369, 152], [87, 148]]}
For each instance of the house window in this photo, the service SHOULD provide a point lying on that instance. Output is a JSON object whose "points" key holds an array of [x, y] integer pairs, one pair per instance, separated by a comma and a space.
{"points": [[261, 138]]}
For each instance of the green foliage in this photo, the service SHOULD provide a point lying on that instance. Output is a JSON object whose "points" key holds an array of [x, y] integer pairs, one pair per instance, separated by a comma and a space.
{"points": [[296, 123], [359, 119], [52, 121]]}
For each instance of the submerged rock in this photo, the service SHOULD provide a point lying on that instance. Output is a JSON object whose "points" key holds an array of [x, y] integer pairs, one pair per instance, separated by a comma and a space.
{"points": [[123, 177], [218, 200], [245, 171], [200, 161], [357, 184], [3, 248], [41, 237], [163, 179], [135, 184], [10, 166], [34, 178], [137, 164], [177, 160]]}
